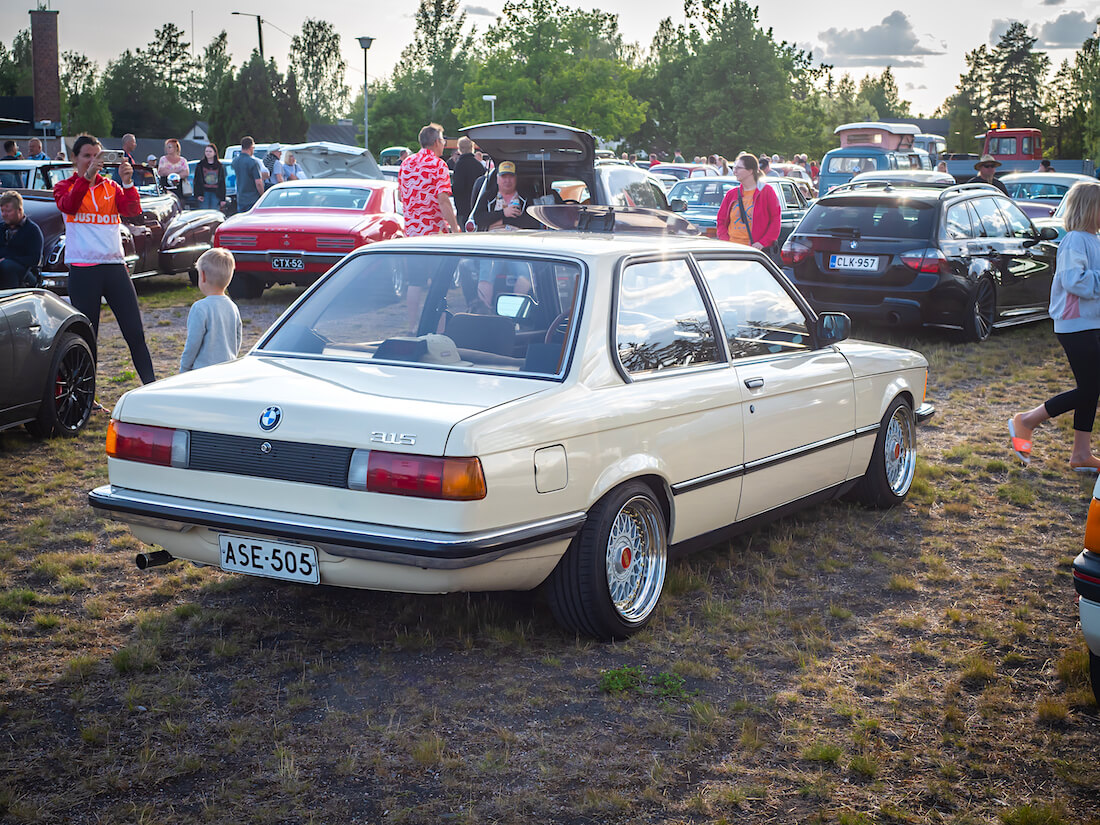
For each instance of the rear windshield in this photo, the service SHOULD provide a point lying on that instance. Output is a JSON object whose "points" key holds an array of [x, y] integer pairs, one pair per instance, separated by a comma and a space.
{"points": [[851, 164], [316, 197], [869, 217], [494, 313]]}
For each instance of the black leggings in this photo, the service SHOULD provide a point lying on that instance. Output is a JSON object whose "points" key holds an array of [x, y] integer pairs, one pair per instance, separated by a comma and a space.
{"points": [[88, 284], [1083, 351]]}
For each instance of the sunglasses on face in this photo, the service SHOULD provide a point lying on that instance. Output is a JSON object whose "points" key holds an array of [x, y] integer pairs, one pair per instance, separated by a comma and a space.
{"points": [[989, 166]]}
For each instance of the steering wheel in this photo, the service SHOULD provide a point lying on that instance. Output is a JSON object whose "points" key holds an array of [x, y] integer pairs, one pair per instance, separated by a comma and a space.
{"points": [[559, 327]]}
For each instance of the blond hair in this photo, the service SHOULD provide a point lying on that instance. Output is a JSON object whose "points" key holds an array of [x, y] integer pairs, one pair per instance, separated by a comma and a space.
{"points": [[1083, 207], [217, 265]]}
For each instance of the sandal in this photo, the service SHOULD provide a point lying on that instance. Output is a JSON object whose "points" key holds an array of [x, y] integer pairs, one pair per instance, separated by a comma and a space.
{"points": [[1020, 446]]}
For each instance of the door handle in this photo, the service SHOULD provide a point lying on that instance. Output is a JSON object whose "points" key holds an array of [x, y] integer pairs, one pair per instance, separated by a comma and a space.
{"points": [[754, 383]]}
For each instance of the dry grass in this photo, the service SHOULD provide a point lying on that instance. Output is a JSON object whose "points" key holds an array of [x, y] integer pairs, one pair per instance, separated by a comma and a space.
{"points": [[846, 666]]}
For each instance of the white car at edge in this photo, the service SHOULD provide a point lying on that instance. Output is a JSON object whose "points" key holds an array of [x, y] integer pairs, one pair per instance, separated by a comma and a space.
{"points": [[555, 409]]}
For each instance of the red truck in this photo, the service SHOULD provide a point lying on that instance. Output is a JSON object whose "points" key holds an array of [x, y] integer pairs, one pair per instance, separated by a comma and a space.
{"points": [[1018, 150]]}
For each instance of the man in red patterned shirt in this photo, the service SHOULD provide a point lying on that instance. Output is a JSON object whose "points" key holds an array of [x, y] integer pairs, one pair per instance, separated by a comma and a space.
{"points": [[425, 182]]}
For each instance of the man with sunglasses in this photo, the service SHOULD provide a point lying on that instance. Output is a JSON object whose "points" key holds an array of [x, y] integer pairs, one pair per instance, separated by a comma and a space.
{"points": [[986, 167]]}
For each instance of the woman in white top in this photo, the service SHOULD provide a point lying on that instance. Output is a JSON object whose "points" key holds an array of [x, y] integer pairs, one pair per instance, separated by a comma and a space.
{"points": [[172, 161], [1075, 308]]}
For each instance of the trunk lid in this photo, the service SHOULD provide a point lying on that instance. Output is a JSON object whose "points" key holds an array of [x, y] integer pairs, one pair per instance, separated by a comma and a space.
{"points": [[402, 409]]}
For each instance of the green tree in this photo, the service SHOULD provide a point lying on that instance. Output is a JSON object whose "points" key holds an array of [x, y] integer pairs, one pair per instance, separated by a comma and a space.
{"points": [[16, 78], [545, 61], [315, 59], [140, 100], [722, 84], [1086, 81], [970, 108], [882, 93], [1063, 114], [83, 106], [1016, 95], [428, 81], [215, 65], [258, 102]]}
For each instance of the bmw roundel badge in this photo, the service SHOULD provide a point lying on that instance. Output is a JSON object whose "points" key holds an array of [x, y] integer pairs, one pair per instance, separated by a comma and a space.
{"points": [[270, 418]]}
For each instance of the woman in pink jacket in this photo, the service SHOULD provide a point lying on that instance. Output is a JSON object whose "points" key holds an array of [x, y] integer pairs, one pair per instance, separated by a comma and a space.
{"points": [[749, 213]]}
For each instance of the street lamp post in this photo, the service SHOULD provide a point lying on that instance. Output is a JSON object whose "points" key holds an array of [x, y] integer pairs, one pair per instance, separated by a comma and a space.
{"points": [[365, 43], [492, 106], [259, 28]]}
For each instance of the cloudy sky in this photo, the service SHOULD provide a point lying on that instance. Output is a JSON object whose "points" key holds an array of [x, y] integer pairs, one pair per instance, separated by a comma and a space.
{"points": [[925, 43]]}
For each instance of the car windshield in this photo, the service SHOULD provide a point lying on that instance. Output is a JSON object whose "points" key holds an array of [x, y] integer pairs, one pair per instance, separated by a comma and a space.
{"points": [[869, 217], [1037, 191], [316, 197], [496, 313], [851, 164], [702, 193]]}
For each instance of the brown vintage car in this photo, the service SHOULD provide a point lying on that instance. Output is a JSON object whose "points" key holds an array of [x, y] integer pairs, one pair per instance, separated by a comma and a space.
{"points": [[163, 239]]}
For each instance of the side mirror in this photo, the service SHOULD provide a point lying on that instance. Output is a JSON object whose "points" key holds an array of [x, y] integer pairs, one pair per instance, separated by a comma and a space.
{"points": [[832, 328], [516, 307], [678, 205], [1048, 233]]}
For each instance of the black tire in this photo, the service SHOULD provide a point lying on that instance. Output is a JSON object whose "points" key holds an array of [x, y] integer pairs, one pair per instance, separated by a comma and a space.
{"points": [[981, 312], [193, 276], [608, 583], [245, 286], [69, 393], [893, 461], [1094, 675]]}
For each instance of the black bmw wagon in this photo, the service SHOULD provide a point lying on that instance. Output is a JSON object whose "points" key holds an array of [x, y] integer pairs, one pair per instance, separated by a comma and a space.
{"points": [[965, 257]]}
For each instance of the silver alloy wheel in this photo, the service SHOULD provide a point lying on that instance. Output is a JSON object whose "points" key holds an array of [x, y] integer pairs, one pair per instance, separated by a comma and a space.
{"points": [[985, 309], [900, 447], [636, 559]]}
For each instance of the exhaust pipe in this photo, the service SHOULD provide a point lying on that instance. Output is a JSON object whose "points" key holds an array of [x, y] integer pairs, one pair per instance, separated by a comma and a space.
{"points": [[146, 560]]}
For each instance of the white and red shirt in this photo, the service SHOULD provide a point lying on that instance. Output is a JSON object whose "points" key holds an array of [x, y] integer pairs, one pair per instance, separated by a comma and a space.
{"points": [[92, 213], [422, 179]]}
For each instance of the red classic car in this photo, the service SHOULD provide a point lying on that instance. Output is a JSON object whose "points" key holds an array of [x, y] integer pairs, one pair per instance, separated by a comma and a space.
{"points": [[299, 229], [162, 239]]}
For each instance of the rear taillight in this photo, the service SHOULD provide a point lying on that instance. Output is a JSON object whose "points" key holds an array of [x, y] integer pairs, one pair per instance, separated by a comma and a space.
{"points": [[149, 445], [923, 260], [453, 479], [794, 252]]}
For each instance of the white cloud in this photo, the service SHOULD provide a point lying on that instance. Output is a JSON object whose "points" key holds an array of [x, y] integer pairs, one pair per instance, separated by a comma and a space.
{"points": [[1068, 30], [891, 42], [480, 11]]}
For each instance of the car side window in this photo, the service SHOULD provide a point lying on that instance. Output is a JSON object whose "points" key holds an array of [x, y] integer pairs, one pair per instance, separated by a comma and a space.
{"points": [[993, 223], [758, 316], [1018, 222], [956, 225], [662, 321], [790, 195]]}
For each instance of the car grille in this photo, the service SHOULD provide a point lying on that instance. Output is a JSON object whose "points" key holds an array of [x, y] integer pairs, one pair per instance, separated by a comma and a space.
{"points": [[284, 460]]}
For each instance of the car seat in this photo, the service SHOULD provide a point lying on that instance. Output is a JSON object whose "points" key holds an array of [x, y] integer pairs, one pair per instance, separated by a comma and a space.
{"points": [[487, 333]]}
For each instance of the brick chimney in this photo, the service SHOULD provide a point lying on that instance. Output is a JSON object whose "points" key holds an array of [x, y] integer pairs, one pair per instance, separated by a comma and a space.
{"points": [[44, 57]]}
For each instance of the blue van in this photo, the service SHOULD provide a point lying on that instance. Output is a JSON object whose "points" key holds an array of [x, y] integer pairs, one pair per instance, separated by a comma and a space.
{"points": [[871, 146]]}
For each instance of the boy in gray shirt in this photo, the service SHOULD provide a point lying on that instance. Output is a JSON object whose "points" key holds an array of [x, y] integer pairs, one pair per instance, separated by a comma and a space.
{"points": [[213, 324]]}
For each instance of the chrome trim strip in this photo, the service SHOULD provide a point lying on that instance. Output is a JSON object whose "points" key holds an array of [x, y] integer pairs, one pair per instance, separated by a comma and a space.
{"points": [[266, 255], [719, 476], [339, 537]]}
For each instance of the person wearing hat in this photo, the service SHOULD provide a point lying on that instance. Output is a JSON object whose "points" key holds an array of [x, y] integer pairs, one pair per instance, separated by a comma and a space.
{"points": [[986, 167], [505, 208], [502, 210], [273, 156]]}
